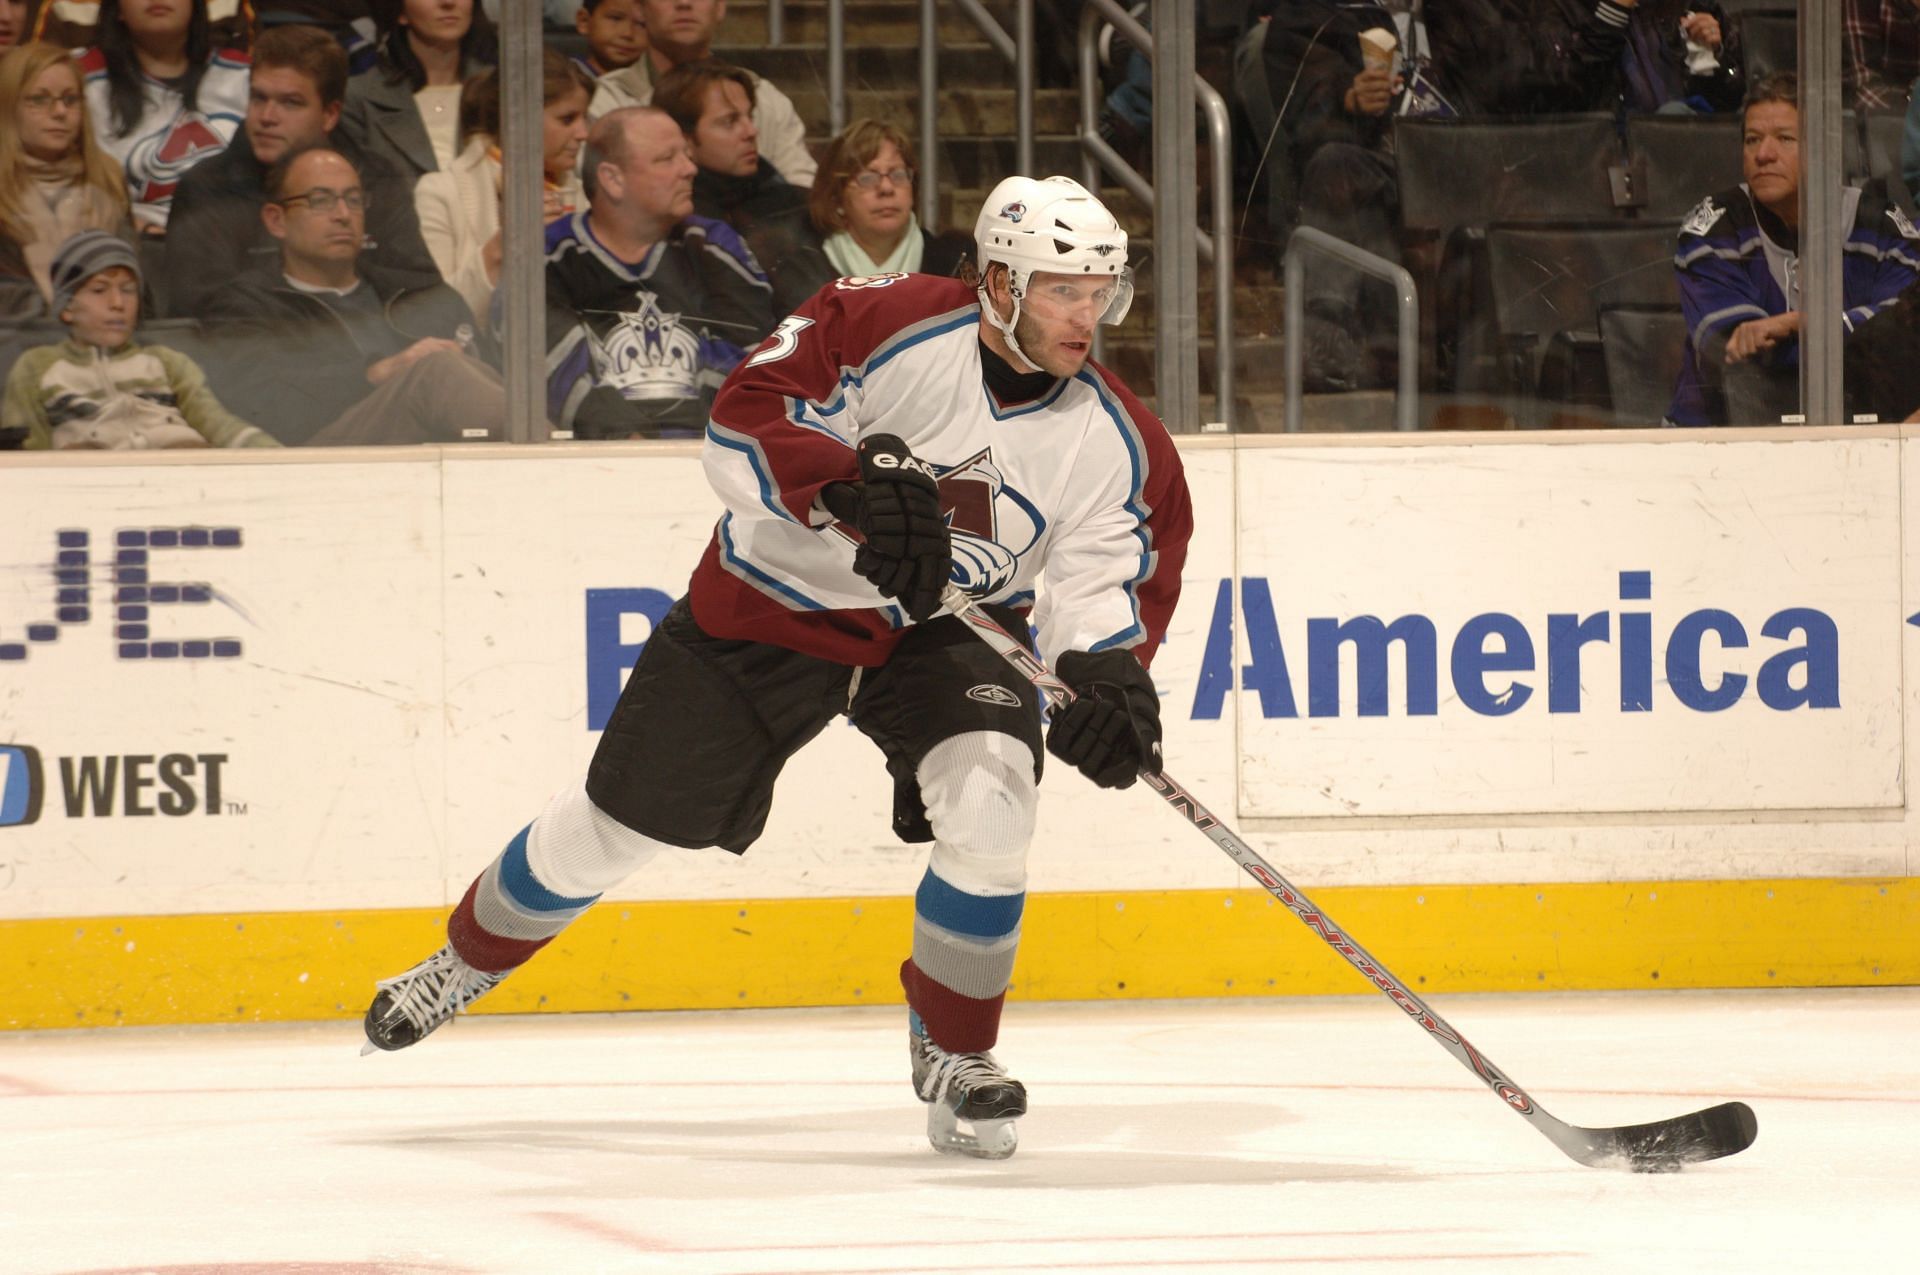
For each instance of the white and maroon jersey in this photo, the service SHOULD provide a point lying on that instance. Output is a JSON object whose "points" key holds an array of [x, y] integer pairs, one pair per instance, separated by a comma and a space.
{"points": [[168, 139], [1082, 483]]}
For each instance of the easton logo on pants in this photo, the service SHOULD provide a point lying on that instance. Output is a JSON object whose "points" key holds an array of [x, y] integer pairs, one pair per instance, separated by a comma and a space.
{"points": [[996, 695]]}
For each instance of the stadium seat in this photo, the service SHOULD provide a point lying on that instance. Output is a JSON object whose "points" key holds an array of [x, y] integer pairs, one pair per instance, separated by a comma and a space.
{"points": [[1455, 178], [1884, 132], [1644, 347], [1476, 172], [1549, 285], [1769, 40], [1678, 160]]}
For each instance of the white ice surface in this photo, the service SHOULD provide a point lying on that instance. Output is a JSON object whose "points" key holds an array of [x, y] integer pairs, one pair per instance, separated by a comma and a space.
{"points": [[1304, 1135]]}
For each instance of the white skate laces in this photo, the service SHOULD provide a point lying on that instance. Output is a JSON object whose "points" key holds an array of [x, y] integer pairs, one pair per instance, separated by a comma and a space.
{"points": [[408, 1006], [971, 1100]]}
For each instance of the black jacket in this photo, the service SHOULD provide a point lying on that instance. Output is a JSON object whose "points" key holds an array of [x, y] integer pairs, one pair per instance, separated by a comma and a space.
{"points": [[1489, 57], [290, 364], [383, 119], [215, 236], [771, 214]]}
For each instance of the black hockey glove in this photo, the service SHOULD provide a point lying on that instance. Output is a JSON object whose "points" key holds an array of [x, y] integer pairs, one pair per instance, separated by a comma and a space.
{"points": [[907, 554], [1112, 731]]}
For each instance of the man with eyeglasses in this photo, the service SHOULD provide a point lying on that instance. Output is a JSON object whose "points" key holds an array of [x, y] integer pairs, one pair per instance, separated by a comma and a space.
{"points": [[297, 84], [325, 347]]}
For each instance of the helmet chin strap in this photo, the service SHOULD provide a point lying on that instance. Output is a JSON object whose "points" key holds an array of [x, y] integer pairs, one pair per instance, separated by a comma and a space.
{"points": [[1005, 326]]}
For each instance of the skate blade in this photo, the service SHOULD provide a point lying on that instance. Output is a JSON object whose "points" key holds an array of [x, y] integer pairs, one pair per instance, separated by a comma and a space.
{"points": [[368, 1047], [979, 1139]]}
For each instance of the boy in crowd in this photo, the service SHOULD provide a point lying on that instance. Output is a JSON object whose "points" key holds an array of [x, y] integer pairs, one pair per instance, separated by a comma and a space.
{"points": [[616, 35], [100, 390]]}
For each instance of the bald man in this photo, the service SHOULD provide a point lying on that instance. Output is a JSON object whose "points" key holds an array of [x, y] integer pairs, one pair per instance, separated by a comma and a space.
{"points": [[648, 306]]}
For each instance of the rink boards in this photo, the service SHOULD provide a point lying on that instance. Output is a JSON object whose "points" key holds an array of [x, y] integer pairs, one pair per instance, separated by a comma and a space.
{"points": [[261, 720]]}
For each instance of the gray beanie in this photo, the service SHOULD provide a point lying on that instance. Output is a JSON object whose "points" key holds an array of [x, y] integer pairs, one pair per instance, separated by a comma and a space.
{"points": [[84, 256]]}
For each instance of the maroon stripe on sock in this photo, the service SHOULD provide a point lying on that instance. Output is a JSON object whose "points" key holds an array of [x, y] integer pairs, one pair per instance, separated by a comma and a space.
{"points": [[484, 951], [958, 1024]]}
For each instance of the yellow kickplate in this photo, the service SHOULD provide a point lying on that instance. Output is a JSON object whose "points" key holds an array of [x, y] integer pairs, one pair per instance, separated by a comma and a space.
{"points": [[1183, 943]]}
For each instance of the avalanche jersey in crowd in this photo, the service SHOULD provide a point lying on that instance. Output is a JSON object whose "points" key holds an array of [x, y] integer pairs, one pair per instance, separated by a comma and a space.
{"points": [[168, 139], [1738, 262], [1083, 482], [641, 349]]}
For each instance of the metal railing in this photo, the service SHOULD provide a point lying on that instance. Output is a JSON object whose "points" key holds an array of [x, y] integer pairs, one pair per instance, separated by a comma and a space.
{"points": [[1096, 155], [1307, 240], [1016, 48]]}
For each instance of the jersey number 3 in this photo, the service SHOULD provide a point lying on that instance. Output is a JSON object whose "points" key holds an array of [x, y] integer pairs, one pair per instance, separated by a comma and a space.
{"points": [[785, 340]]}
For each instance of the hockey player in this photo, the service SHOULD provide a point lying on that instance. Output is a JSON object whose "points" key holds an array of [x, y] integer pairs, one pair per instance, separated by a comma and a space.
{"points": [[894, 433]]}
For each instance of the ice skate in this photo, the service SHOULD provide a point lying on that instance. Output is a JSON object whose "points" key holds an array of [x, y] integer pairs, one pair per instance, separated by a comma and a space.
{"points": [[971, 1100], [408, 1006]]}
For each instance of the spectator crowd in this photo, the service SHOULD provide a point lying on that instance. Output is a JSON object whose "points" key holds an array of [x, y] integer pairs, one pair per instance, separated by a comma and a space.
{"points": [[224, 223]]}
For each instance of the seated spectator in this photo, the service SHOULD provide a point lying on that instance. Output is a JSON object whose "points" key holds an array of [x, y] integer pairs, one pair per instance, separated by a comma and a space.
{"points": [[406, 110], [1680, 58], [163, 97], [295, 89], [326, 347], [99, 389], [682, 31], [1738, 264], [459, 207], [713, 105], [648, 307], [55, 181], [1883, 52], [862, 203], [616, 35], [74, 24], [13, 23]]}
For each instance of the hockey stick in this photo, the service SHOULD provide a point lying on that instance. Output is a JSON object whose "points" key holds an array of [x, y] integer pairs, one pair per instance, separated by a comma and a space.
{"points": [[1660, 1147]]}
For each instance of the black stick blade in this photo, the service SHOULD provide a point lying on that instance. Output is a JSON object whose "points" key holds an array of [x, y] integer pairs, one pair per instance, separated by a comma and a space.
{"points": [[1666, 1146]]}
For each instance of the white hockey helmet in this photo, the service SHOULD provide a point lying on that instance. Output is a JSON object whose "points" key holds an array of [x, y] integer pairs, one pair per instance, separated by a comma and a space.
{"points": [[1052, 225]]}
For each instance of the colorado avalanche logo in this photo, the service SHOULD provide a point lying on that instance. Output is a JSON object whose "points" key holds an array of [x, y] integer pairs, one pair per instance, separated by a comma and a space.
{"points": [[1014, 211], [159, 162], [991, 524], [647, 354]]}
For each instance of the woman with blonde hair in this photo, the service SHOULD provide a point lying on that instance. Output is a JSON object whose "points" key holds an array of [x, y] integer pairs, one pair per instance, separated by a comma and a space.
{"points": [[459, 206], [862, 203], [55, 180]]}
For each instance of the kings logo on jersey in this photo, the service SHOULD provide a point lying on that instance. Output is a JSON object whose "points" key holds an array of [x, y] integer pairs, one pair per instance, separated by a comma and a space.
{"points": [[647, 354]]}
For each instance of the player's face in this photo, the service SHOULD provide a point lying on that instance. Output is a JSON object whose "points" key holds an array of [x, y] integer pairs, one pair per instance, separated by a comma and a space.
{"points": [[1770, 157], [615, 32], [1057, 319], [50, 112], [563, 131], [724, 139], [284, 111], [105, 308]]}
